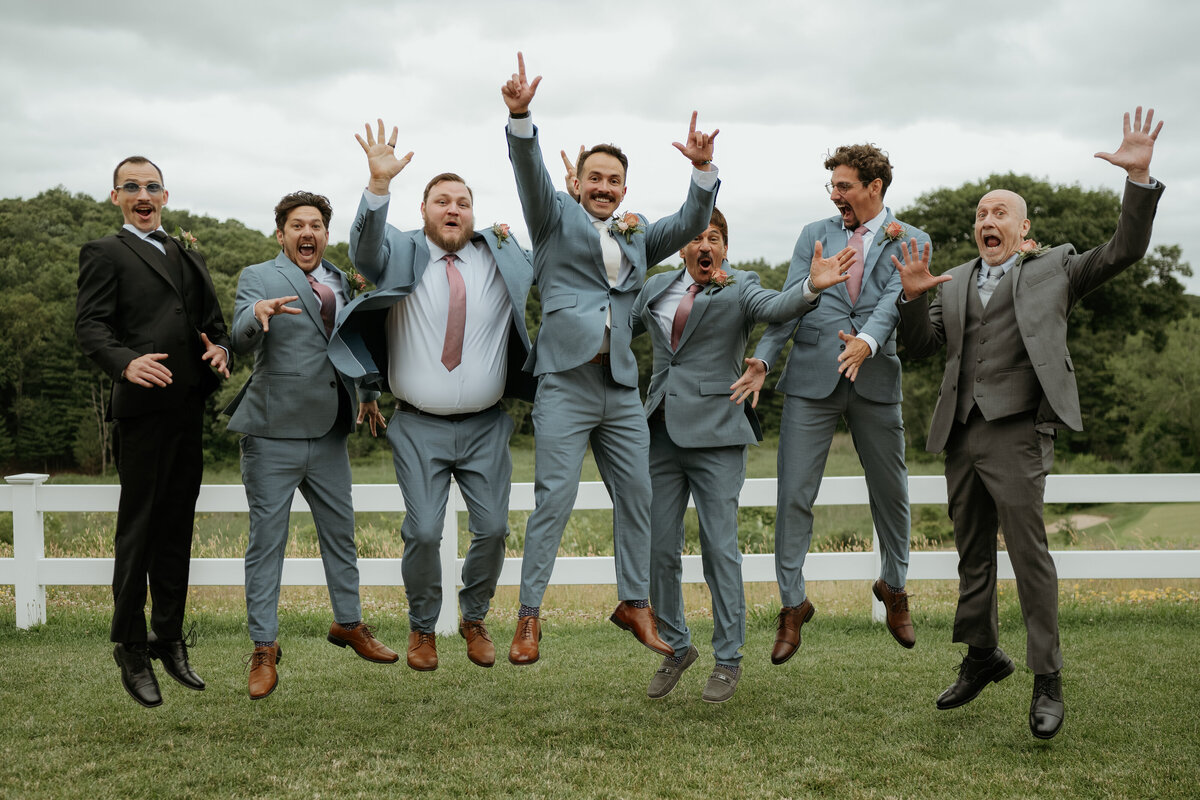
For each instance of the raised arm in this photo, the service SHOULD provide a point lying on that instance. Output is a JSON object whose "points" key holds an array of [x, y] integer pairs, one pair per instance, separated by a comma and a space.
{"points": [[381, 159]]}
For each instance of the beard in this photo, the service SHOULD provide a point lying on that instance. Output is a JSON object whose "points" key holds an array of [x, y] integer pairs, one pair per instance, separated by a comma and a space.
{"points": [[452, 243]]}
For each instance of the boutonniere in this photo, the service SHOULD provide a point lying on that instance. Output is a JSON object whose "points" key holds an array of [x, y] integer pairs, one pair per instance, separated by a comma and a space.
{"points": [[355, 280], [719, 280], [500, 231], [186, 240], [892, 232], [1031, 249], [627, 225]]}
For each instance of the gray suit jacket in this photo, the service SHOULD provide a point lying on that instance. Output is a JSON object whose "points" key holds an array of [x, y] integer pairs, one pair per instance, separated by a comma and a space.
{"points": [[1045, 289], [569, 267], [293, 391], [394, 261], [812, 366], [694, 380]]}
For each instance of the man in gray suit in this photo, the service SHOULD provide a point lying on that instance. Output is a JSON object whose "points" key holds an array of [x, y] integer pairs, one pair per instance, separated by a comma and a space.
{"points": [[699, 319], [445, 334], [589, 266], [1003, 320], [843, 365], [296, 412]]}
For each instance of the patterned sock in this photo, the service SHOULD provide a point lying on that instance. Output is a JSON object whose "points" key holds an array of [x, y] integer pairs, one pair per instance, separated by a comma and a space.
{"points": [[350, 625], [675, 660], [262, 644], [638, 603], [894, 590], [979, 653], [730, 668], [529, 611]]}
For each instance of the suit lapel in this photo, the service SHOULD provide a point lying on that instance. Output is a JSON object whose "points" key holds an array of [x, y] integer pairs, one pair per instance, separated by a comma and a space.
{"points": [[299, 281], [142, 250], [876, 249]]}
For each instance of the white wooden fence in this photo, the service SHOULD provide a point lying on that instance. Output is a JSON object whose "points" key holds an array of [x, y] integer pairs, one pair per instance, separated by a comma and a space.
{"points": [[29, 571]]}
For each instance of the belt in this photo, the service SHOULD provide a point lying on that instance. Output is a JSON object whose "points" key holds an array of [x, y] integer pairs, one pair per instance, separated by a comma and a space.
{"points": [[409, 408], [601, 358]]}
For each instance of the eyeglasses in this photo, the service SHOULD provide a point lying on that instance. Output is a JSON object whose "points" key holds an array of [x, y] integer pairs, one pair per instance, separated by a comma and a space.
{"points": [[843, 187], [129, 187]]}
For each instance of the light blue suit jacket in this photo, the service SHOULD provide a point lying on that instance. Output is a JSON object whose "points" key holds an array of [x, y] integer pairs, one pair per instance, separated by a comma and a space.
{"points": [[694, 379], [569, 267], [293, 391], [812, 366], [394, 261]]}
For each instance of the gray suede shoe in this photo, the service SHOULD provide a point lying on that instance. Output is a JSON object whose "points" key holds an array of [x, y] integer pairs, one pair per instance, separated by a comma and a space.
{"points": [[721, 684], [669, 673]]}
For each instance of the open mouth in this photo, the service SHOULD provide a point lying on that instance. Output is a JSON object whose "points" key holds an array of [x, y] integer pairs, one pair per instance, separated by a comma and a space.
{"points": [[991, 241], [307, 249], [602, 198], [705, 262], [144, 211]]}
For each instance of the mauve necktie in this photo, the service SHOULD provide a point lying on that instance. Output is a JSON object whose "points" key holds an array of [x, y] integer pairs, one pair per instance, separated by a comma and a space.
{"points": [[325, 298], [854, 285], [682, 313], [456, 315]]}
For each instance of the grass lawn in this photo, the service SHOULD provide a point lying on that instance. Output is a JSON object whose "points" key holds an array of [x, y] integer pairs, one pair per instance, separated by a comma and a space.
{"points": [[851, 715]]}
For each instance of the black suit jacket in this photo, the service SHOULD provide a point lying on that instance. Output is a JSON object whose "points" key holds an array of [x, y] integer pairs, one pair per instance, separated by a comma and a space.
{"points": [[128, 306]]}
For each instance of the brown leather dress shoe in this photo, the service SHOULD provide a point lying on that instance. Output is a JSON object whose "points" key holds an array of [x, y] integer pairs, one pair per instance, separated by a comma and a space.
{"points": [[480, 649], [361, 639], [422, 651], [263, 676], [787, 640], [642, 624], [899, 621], [524, 648]]}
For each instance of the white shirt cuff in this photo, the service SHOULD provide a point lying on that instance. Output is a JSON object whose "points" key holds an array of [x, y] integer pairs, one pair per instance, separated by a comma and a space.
{"points": [[522, 128], [705, 180], [870, 340], [375, 201]]}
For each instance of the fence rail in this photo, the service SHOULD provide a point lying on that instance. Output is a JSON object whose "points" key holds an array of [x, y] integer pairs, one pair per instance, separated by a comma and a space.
{"points": [[28, 498]]}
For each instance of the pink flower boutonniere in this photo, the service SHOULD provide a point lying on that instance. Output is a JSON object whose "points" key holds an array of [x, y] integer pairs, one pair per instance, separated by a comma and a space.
{"points": [[892, 232], [186, 240], [500, 230], [1031, 249], [356, 281], [719, 280], [627, 225]]}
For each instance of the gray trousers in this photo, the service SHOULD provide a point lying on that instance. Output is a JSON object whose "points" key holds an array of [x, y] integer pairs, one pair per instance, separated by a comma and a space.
{"points": [[805, 433], [272, 470], [713, 477], [996, 478], [427, 451], [571, 410]]}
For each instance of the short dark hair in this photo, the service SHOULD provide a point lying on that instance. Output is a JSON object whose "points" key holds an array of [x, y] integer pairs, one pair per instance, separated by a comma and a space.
{"points": [[135, 160], [444, 178], [297, 199], [718, 222], [869, 160], [608, 149]]}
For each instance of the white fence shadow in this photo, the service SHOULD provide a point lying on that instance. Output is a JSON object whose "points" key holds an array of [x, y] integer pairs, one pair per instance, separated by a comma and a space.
{"points": [[29, 571]]}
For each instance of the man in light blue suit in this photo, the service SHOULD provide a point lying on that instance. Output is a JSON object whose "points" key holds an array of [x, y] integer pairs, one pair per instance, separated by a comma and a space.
{"points": [[699, 319], [589, 266], [296, 412], [843, 364], [445, 334]]}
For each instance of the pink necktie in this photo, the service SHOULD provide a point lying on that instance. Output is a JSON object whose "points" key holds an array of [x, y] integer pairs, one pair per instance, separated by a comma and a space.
{"points": [[325, 298], [682, 313], [854, 285], [456, 315]]}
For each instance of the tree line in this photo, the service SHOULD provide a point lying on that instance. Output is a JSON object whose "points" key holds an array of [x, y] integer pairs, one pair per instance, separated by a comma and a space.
{"points": [[1132, 340]]}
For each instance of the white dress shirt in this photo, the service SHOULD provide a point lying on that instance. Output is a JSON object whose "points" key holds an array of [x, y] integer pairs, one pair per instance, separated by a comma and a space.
{"points": [[666, 304]]}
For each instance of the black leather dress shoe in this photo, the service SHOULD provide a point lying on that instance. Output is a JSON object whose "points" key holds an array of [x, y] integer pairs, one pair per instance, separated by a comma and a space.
{"points": [[973, 675], [173, 655], [1046, 710], [137, 676]]}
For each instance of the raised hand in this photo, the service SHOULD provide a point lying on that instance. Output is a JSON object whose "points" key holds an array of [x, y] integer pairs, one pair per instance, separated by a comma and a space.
{"points": [[915, 276], [518, 92], [215, 355], [145, 370], [1137, 146], [826, 272], [381, 158], [265, 309], [853, 355], [750, 383], [569, 179], [370, 412], [699, 146]]}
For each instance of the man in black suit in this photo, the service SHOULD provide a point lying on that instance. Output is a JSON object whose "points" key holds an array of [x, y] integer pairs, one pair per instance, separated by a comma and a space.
{"points": [[147, 314]]}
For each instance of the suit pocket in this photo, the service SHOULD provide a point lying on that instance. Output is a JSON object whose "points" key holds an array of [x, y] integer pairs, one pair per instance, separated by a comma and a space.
{"points": [[1041, 276], [556, 302], [715, 388], [807, 335]]}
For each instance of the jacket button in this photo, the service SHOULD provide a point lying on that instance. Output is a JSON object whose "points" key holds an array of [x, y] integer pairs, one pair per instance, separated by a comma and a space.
{"points": [[178, 310], [332, 385]]}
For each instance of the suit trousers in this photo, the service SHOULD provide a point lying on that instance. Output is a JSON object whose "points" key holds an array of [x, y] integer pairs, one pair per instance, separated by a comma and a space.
{"points": [[272, 470], [160, 463], [713, 476], [427, 451], [572, 409], [805, 434], [996, 478]]}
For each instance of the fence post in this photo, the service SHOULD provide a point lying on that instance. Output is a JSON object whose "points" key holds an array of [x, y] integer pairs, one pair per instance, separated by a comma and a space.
{"points": [[29, 547], [447, 622]]}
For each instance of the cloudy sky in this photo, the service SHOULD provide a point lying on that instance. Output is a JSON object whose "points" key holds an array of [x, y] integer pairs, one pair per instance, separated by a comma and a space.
{"points": [[243, 102]]}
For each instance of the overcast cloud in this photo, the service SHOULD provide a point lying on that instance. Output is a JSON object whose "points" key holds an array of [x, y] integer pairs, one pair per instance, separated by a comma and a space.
{"points": [[242, 102]]}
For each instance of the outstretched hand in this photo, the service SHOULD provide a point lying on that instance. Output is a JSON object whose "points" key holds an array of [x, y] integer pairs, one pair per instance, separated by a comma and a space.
{"points": [[750, 383], [855, 352], [826, 272], [215, 355], [518, 92], [369, 412], [381, 158], [265, 309], [915, 276], [699, 146], [1137, 146]]}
